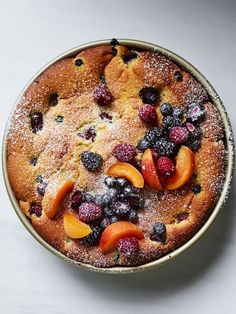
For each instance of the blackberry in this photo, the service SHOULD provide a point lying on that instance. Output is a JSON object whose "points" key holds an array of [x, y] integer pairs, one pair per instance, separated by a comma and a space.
{"points": [[108, 212], [136, 201], [93, 237], [121, 182], [196, 134], [76, 199], [114, 42], [149, 95], [194, 145], [166, 148], [121, 209], [89, 134], [196, 188], [159, 232], [78, 62], [112, 193], [129, 56], [98, 200], [39, 179], [91, 161], [34, 161], [105, 222], [36, 122], [53, 100], [128, 190], [170, 122], [166, 109], [153, 135], [87, 197], [133, 216], [113, 219], [110, 182], [178, 112], [106, 199], [143, 144], [178, 76]]}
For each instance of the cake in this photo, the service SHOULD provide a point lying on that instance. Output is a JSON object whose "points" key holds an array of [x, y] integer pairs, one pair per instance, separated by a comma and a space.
{"points": [[116, 156]]}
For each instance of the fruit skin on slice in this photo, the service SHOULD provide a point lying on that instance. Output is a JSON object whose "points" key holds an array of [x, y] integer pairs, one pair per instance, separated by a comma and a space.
{"points": [[127, 171], [56, 191], [149, 171], [185, 164], [75, 228], [116, 231]]}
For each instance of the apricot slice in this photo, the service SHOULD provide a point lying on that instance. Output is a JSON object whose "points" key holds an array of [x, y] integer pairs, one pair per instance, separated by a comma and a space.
{"points": [[185, 164], [75, 228], [127, 171], [149, 171], [114, 232], [56, 191]]}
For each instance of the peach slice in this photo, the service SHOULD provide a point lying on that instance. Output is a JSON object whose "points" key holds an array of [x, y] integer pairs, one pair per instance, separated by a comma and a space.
{"points": [[75, 228], [127, 171], [149, 171], [185, 164], [56, 191], [115, 232]]}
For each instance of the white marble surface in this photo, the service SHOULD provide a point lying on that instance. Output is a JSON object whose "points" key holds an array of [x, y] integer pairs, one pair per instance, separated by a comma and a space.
{"points": [[34, 281]]}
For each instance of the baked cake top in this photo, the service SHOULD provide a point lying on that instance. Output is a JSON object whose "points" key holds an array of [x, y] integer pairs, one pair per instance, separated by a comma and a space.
{"points": [[116, 155]]}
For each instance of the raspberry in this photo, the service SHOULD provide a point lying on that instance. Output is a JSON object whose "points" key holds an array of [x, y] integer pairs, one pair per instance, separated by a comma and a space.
{"points": [[36, 122], [178, 135], [159, 232], [89, 212], [124, 152], [128, 246], [76, 199], [166, 109], [91, 161], [102, 95], [149, 95], [165, 148], [165, 166], [148, 114]]}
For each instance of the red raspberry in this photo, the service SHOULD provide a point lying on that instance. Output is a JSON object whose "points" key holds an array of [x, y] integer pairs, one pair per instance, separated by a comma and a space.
{"points": [[128, 246], [148, 114], [89, 212], [178, 135], [124, 152], [102, 95], [165, 166]]}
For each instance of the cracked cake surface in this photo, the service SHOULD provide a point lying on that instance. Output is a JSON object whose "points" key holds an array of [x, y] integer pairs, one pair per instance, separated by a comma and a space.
{"points": [[95, 116]]}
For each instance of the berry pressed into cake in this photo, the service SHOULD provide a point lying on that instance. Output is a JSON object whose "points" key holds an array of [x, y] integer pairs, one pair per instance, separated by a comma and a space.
{"points": [[116, 156]]}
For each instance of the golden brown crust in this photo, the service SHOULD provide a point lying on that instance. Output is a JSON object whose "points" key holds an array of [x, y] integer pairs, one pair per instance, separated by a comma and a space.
{"points": [[57, 147]]}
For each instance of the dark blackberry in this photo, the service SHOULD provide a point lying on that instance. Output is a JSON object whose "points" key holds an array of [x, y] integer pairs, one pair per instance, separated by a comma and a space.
{"points": [[93, 238], [178, 76], [78, 62], [136, 201], [143, 144], [114, 42], [166, 148], [178, 112], [105, 222], [87, 197], [108, 212], [106, 199], [121, 209], [110, 182], [129, 56], [112, 193], [159, 232], [196, 188], [170, 122], [113, 219], [149, 95], [166, 109], [133, 216], [36, 122], [35, 209], [76, 199], [195, 113], [34, 161], [128, 190], [121, 182], [196, 134], [59, 119], [89, 134], [91, 161], [53, 99], [194, 145], [153, 135], [98, 200]]}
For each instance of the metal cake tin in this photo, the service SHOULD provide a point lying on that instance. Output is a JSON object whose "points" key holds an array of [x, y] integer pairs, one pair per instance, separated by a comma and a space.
{"points": [[139, 45]]}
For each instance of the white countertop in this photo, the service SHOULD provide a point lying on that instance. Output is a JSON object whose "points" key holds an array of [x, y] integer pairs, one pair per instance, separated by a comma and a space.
{"points": [[32, 280]]}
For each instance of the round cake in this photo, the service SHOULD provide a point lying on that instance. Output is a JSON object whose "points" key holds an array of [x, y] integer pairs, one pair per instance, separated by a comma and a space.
{"points": [[116, 156]]}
